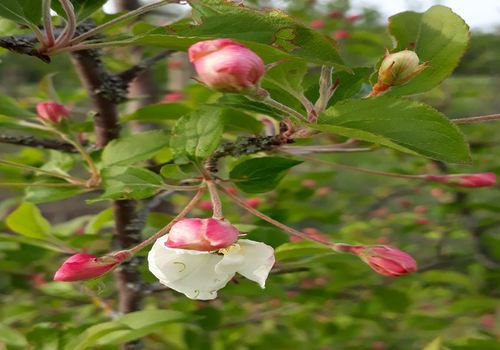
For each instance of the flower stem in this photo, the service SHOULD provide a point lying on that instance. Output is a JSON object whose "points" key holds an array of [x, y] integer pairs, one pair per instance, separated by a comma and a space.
{"points": [[131, 14], [361, 170], [167, 228], [341, 247], [35, 184], [47, 23], [481, 118], [70, 29], [214, 197], [261, 95]]}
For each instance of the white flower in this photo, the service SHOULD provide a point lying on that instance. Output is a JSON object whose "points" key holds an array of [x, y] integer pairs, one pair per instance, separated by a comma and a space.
{"points": [[200, 274]]}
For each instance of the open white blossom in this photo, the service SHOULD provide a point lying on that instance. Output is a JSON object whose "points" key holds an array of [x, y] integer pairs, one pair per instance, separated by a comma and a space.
{"points": [[199, 274]]}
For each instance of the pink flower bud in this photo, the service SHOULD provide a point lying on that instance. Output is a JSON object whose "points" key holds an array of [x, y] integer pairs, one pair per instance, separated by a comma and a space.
{"points": [[253, 202], [226, 65], [172, 97], [386, 260], [353, 18], [465, 180], [84, 266], [335, 14], [341, 34], [205, 205], [51, 111], [202, 234], [317, 24]]}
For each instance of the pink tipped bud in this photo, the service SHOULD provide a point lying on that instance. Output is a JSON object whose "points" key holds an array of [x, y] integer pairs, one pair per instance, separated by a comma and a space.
{"points": [[84, 266], [386, 260], [172, 97], [205, 205], [51, 111], [226, 65], [341, 34], [400, 67], [465, 180], [317, 24], [202, 234]]}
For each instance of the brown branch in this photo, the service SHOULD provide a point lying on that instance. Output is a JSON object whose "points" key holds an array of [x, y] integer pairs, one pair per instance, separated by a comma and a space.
{"points": [[23, 44], [105, 95], [133, 72], [31, 141]]}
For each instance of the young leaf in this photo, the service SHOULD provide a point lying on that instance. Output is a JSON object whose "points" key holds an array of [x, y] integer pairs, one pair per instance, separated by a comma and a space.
{"points": [[130, 149], [37, 194], [197, 134], [23, 11], [129, 182], [439, 36], [407, 126], [10, 108], [434, 345], [10, 336], [28, 221], [259, 175], [288, 76]]}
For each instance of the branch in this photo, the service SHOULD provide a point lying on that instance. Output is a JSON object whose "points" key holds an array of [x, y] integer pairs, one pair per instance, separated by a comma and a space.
{"points": [[31, 141], [23, 44], [244, 146], [133, 72]]}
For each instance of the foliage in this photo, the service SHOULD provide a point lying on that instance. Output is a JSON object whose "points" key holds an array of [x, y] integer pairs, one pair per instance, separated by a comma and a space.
{"points": [[315, 298]]}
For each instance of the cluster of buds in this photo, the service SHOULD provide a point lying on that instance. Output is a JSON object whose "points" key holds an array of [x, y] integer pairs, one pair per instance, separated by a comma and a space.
{"points": [[51, 112], [397, 69]]}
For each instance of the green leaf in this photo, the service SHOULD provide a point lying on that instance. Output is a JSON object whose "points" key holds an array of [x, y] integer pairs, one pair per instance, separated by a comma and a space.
{"points": [[10, 336], [288, 76], [129, 182], [404, 125], [133, 148], [273, 35], [28, 221], [30, 241], [237, 101], [222, 19], [436, 344], [83, 8], [259, 175], [24, 11], [236, 120], [197, 134], [300, 250], [90, 336], [37, 194], [9, 107], [439, 36], [159, 112]]}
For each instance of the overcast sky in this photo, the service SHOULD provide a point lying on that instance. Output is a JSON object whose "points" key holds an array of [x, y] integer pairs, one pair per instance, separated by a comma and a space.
{"points": [[479, 14]]}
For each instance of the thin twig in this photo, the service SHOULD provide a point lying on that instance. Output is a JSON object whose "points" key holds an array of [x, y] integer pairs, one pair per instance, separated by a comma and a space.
{"points": [[31, 141], [478, 119]]}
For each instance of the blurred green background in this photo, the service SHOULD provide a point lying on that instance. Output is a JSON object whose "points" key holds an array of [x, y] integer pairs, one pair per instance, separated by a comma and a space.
{"points": [[314, 299]]}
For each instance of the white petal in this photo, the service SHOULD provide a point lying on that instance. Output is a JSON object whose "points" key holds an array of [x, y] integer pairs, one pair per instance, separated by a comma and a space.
{"points": [[187, 271], [251, 259]]}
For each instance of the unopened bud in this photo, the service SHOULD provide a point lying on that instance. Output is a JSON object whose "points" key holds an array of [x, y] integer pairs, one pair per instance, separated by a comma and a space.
{"points": [[386, 260], [51, 112], [226, 65], [400, 67], [202, 234], [84, 266], [465, 180]]}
